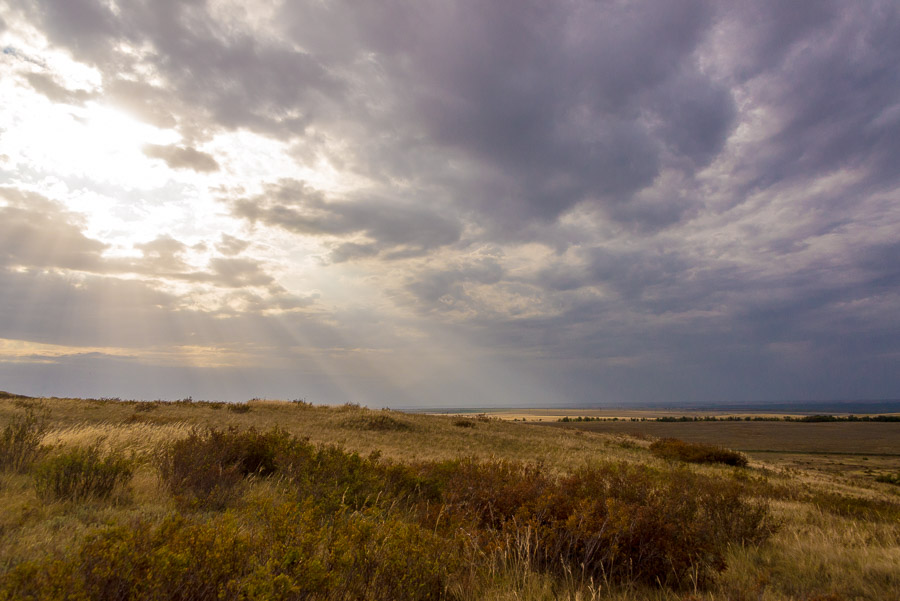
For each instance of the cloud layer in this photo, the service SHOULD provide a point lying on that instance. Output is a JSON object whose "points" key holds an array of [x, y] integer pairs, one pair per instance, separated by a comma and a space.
{"points": [[453, 202]]}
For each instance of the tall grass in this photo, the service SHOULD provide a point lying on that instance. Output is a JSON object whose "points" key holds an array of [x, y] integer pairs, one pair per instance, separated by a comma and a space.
{"points": [[20, 441], [81, 473]]}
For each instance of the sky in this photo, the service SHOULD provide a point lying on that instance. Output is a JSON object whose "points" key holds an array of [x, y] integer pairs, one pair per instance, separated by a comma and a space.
{"points": [[451, 203]]}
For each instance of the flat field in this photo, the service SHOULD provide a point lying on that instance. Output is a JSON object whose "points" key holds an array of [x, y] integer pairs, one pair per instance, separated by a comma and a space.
{"points": [[858, 448]]}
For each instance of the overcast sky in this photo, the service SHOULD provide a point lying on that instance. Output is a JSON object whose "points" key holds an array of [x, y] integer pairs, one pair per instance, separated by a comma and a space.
{"points": [[450, 202]]}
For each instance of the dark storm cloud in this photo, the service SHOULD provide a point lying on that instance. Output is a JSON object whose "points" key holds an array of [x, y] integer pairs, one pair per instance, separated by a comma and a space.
{"points": [[834, 95], [538, 106], [179, 157], [394, 229], [547, 105]]}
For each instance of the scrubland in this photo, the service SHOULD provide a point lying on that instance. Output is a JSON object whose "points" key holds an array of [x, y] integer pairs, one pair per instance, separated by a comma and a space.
{"points": [[109, 499]]}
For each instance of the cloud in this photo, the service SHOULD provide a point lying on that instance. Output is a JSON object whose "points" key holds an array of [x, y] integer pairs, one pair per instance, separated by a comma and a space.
{"points": [[627, 200], [38, 232], [45, 84], [178, 157], [231, 246], [392, 229]]}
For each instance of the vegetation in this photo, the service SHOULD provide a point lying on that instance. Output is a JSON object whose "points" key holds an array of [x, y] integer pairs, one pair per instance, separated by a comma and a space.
{"points": [[808, 419], [679, 450], [889, 478], [81, 473], [290, 501], [21, 441]]}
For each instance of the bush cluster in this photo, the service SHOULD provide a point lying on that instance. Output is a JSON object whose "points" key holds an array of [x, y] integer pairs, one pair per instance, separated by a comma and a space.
{"points": [[81, 473], [338, 525], [679, 450], [207, 468]]}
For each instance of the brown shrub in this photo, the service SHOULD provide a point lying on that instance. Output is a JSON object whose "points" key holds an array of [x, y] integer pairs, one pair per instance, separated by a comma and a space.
{"points": [[679, 450], [206, 468]]}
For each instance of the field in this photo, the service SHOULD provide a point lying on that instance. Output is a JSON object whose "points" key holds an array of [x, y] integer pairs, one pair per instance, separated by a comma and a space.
{"points": [[351, 503], [846, 448]]}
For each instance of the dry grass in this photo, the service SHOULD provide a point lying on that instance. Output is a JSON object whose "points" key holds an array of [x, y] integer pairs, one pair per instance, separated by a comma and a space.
{"points": [[815, 554]]}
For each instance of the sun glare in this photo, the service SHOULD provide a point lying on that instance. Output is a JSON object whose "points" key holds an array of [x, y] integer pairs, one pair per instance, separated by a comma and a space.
{"points": [[95, 142]]}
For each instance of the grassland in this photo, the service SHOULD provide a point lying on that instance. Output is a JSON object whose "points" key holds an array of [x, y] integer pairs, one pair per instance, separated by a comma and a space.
{"points": [[837, 535]]}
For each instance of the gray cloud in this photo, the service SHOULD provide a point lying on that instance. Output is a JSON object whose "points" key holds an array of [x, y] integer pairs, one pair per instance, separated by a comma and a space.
{"points": [[445, 289], [688, 199], [38, 232], [231, 246], [394, 229], [45, 84], [178, 157]]}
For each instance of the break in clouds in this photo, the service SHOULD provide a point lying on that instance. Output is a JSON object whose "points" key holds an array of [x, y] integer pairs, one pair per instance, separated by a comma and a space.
{"points": [[450, 203]]}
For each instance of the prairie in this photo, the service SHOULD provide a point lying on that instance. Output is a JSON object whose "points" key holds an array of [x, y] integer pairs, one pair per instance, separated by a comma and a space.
{"points": [[271, 499]]}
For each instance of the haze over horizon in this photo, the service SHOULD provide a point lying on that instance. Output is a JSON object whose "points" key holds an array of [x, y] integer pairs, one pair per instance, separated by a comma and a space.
{"points": [[455, 203]]}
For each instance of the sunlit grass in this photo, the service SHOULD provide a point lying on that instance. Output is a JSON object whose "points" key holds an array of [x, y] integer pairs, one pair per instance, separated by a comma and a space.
{"points": [[838, 539]]}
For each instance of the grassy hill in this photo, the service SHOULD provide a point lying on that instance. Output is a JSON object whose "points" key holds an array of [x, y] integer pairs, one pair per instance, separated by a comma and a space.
{"points": [[108, 499]]}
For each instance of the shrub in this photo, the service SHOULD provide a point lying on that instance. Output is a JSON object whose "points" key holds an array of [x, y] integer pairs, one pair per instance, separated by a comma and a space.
{"points": [[332, 476], [675, 449], [631, 523], [613, 522], [20, 442], [280, 551], [239, 407], [464, 422], [377, 422], [206, 468], [81, 473], [889, 478]]}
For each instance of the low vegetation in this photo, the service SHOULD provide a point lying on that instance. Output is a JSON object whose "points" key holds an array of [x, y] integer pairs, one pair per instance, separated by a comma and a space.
{"points": [[806, 419], [691, 452], [81, 473], [238, 506], [20, 442]]}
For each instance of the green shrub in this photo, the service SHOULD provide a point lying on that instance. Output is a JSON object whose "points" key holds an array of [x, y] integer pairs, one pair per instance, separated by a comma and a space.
{"points": [[332, 476], [464, 422], [20, 442], [279, 551], [81, 473], [675, 449]]}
